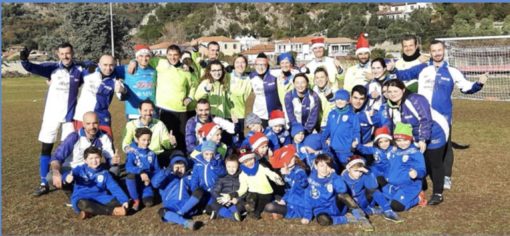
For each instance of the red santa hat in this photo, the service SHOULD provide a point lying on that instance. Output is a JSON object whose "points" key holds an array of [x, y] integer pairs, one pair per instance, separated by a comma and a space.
{"points": [[317, 42], [141, 49], [208, 130], [277, 117], [282, 156], [353, 161], [363, 45], [245, 154], [382, 132], [257, 140]]}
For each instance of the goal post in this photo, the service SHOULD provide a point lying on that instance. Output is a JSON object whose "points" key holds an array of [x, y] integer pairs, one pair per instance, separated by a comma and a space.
{"points": [[474, 56]]}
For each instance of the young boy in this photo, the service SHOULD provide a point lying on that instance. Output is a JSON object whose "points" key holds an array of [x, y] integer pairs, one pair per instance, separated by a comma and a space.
{"points": [[276, 133], [342, 128], [211, 131], [90, 196], [259, 145], [254, 124], [363, 188], [174, 185], [407, 170], [254, 180], [141, 165], [228, 184]]}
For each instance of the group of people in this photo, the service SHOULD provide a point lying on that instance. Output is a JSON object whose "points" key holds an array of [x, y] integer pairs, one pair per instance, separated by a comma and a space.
{"points": [[311, 148]]}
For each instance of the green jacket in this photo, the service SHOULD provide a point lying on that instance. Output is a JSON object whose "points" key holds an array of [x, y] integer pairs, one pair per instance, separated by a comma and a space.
{"points": [[160, 138], [240, 90], [220, 102]]}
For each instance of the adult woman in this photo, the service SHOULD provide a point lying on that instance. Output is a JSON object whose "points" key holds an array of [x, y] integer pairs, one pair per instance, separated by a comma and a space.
{"points": [[214, 87], [284, 75], [326, 91], [374, 88], [240, 90], [430, 130], [302, 104]]}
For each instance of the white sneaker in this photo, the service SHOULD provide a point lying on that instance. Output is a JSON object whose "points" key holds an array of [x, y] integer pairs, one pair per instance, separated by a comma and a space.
{"points": [[447, 183]]}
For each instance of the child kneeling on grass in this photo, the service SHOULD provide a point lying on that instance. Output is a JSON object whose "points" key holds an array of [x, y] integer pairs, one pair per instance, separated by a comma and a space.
{"points": [[230, 183], [174, 185], [141, 165], [407, 170], [90, 196], [254, 180], [362, 186]]}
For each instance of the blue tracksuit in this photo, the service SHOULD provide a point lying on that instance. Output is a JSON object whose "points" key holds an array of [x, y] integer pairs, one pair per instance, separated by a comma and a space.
{"points": [[266, 94], [139, 86], [367, 123], [305, 112], [276, 141], [206, 173], [92, 184], [357, 188], [437, 85], [400, 186], [381, 164], [297, 180], [245, 142], [138, 162], [175, 191], [320, 197], [317, 143], [342, 128], [300, 150]]}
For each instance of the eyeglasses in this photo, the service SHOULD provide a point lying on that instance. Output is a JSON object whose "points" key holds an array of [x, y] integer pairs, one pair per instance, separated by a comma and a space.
{"points": [[260, 65], [216, 71]]}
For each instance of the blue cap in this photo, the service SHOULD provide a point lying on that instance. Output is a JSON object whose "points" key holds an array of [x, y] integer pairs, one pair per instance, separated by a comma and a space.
{"points": [[315, 142], [178, 158], [209, 146], [296, 128], [286, 56], [341, 94]]}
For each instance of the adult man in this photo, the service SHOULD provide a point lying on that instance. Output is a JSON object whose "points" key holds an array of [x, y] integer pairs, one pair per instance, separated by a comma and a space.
{"points": [[203, 116], [331, 65], [213, 53], [368, 117], [173, 93], [70, 152], [140, 85], [265, 88], [436, 81], [356, 75], [161, 141], [411, 56], [66, 78], [97, 93]]}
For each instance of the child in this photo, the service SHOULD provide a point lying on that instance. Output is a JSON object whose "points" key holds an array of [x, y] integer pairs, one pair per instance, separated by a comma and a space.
{"points": [[211, 131], [254, 124], [174, 185], [297, 132], [342, 127], [314, 145], [382, 151], [321, 196], [228, 184], [294, 171], [208, 167], [90, 196], [407, 169], [141, 165], [259, 145], [362, 186], [276, 133], [254, 180]]}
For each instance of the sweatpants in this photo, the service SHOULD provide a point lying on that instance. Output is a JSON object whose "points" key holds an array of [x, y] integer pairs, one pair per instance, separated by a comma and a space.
{"points": [[176, 122], [226, 212], [259, 201], [406, 195], [448, 158], [435, 167]]}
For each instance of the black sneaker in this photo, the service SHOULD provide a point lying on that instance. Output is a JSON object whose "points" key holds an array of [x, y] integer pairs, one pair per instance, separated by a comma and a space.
{"points": [[436, 199], [214, 215], [41, 190]]}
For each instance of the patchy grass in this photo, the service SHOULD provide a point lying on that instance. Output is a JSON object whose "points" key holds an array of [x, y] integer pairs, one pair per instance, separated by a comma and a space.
{"points": [[477, 204]]}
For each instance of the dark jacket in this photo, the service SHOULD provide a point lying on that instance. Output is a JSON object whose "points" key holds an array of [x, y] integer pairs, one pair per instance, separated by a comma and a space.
{"points": [[227, 184]]}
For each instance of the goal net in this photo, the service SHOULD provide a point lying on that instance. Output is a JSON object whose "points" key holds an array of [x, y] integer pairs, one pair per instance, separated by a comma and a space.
{"points": [[474, 56]]}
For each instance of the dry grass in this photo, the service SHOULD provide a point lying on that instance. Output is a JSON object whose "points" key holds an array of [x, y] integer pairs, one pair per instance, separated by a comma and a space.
{"points": [[477, 204]]}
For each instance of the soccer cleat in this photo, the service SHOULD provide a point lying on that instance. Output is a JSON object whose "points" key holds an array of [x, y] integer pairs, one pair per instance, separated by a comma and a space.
{"points": [[423, 200], [235, 217], [250, 207], [436, 199], [351, 219], [41, 190], [119, 211], [447, 183], [324, 219], [191, 224], [69, 204], [374, 211], [365, 224], [214, 215], [392, 216], [136, 205], [84, 215]]}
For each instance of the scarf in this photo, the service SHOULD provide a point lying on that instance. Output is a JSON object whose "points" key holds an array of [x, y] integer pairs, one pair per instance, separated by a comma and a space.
{"points": [[251, 171], [412, 57], [342, 110]]}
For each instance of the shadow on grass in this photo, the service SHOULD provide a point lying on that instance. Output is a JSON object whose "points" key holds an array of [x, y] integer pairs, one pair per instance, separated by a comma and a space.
{"points": [[460, 147]]}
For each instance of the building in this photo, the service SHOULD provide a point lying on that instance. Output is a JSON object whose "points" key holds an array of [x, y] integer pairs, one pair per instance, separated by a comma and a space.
{"points": [[339, 46], [402, 10], [159, 49], [300, 45], [247, 42], [251, 54], [228, 46]]}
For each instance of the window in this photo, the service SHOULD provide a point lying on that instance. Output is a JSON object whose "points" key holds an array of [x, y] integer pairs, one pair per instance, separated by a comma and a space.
{"points": [[334, 48], [412, 7], [235, 46], [226, 46]]}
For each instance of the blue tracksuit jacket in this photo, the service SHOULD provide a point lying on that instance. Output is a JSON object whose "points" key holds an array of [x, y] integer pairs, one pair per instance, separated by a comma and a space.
{"points": [[297, 181], [367, 123], [321, 194], [206, 173], [381, 164], [141, 160], [357, 187], [92, 184], [305, 112], [276, 141], [174, 190], [342, 129]]}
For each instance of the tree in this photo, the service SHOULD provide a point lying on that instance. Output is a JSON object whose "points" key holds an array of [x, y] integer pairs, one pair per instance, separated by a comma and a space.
{"points": [[173, 31], [234, 29], [461, 28], [506, 25], [377, 52], [487, 28]]}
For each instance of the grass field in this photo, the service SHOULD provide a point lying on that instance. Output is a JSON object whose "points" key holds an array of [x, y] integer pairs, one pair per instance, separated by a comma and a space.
{"points": [[477, 204]]}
